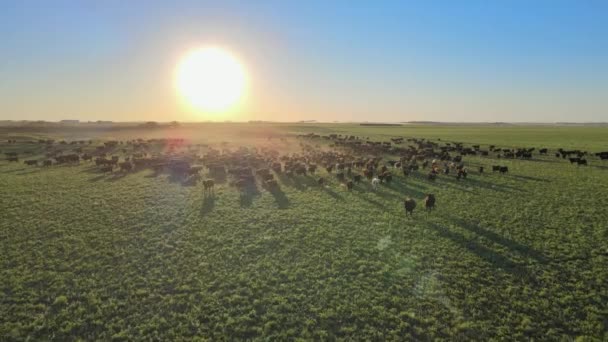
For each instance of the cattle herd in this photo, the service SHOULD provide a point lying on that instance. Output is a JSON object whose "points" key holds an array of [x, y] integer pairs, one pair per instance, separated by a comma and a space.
{"points": [[349, 159]]}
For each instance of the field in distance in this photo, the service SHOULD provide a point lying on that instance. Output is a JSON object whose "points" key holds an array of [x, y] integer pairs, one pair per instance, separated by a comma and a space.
{"points": [[147, 253]]}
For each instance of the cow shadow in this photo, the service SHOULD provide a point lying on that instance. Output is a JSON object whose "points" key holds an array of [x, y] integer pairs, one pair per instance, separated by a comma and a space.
{"points": [[208, 204], [97, 178], [501, 240], [401, 189], [328, 190], [490, 256], [218, 178], [536, 179], [29, 172], [300, 183], [247, 194], [14, 170], [470, 182], [117, 175], [279, 197]]}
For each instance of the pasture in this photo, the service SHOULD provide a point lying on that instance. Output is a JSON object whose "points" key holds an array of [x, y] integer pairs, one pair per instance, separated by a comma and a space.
{"points": [[148, 254]]}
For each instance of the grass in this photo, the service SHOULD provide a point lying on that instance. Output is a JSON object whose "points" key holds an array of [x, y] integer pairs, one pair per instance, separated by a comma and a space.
{"points": [[517, 256]]}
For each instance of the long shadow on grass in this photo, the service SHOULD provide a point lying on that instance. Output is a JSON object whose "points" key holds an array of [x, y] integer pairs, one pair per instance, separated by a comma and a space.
{"points": [[247, 195], [328, 190], [401, 188], [29, 172], [482, 251], [364, 196], [279, 197], [536, 179], [208, 204], [501, 240], [475, 182], [14, 170]]}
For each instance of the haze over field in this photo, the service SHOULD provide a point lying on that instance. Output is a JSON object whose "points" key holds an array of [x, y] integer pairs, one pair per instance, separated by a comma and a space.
{"points": [[545, 61]]}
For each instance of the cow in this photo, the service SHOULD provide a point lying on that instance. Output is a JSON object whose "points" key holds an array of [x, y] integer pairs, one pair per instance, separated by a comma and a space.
{"points": [[388, 177], [107, 168], [208, 185], [495, 168], [126, 166], [375, 183], [504, 169], [271, 184], [409, 204], [31, 162], [340, 176], [350, 185], [429, 202], [582, 162]]}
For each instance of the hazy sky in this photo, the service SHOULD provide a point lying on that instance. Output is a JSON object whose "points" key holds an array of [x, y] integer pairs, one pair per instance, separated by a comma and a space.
{"points": [[324, 60]]}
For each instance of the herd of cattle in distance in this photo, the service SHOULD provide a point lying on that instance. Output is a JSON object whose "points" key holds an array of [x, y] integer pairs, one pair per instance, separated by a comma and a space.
{"points": [[348, 158]]}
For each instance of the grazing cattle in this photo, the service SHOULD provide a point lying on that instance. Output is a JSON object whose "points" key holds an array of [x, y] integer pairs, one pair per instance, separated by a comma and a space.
{"points": [[543, 151], [31, 162], [271, 184], [107, 168], [574, 160], [409, 204], [504, 169], [429, 202], [126, 166], [340, 176], [582, 162], [388, 177], [495, 168], [375, 183], [47, 162], [277, 167], [350, 185], [462, 173], [208, 185], [241, 184], [194, 170]]}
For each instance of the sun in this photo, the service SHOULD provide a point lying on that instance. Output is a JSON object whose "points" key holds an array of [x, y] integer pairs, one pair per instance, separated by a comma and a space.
{"points": [[210, 80]]}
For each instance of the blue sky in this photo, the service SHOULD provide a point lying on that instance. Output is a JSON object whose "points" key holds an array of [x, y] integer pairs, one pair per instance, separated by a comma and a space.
{"points": [[324, 60]]}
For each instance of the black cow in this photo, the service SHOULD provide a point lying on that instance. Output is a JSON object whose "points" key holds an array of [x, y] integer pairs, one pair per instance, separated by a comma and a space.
{"points": [[429, 202], [409, 204]]}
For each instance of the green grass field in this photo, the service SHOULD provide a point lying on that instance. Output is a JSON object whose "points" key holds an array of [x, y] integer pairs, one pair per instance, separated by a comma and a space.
{"points": [[519, 256]]}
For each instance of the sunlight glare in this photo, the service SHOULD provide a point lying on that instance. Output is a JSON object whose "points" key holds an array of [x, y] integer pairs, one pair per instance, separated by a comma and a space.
{"points": [[210, 80]]}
